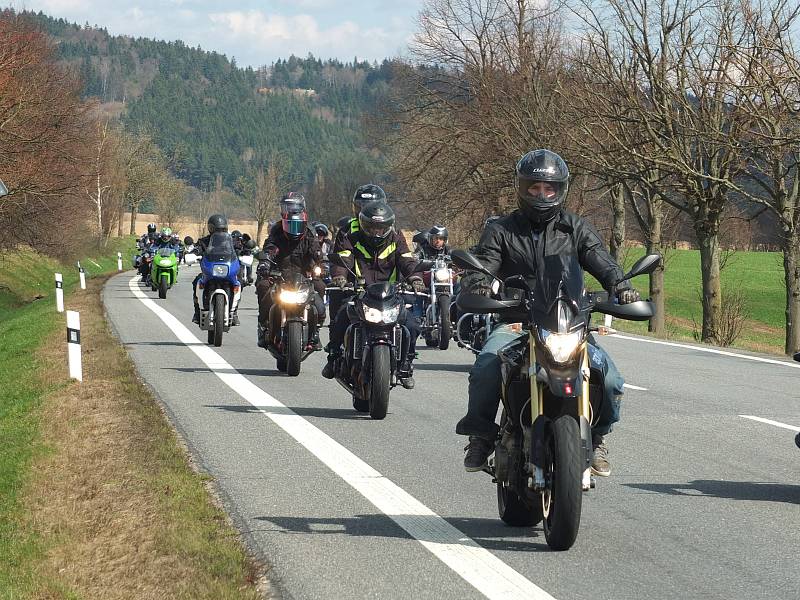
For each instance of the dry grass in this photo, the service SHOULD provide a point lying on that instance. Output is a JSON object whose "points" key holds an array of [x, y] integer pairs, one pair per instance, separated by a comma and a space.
{"points": [[121, 513]]}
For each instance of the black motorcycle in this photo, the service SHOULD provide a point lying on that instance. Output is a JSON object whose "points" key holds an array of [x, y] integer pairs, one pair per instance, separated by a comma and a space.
{"points": [[543, 452], [373, 344], [291, 316]]}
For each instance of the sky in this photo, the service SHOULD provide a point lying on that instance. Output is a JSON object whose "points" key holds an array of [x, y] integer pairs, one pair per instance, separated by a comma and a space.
{"points": [[254, 32]]}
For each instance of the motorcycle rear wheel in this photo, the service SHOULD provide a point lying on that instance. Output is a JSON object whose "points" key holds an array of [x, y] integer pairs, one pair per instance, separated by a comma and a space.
{"points": [[445, 327], [561, 500], [293, 347], [219, 319], [379, 383]]}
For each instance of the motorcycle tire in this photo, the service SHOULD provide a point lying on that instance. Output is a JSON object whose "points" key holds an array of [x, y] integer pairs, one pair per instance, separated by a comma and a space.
{"points": [[379, 383], [219, 319], [163, 286], [561, 501], [445, 326], [293, 347]]}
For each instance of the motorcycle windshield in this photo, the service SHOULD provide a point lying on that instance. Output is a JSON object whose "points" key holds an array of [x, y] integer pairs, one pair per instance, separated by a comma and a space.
{"points": [[558, 295], [220, 248], [166, 252]]}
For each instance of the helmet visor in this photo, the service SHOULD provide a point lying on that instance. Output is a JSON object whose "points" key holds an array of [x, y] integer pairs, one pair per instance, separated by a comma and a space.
{"points": [[542, 193], [376, 230], [294, 225]]}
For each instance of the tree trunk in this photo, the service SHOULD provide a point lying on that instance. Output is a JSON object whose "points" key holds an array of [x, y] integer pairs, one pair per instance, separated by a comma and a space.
{"points": [[134, 210], [656, 325], [259, 231], [618, 223], [708, 240], [120, 224], [791, 270]]}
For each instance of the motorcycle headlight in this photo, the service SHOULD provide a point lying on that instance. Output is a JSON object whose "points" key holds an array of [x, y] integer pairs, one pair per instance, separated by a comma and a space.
{"points": [[294, 297], [442, 275], [375, 315], [164, 262], [219, 270], [562, 346]]}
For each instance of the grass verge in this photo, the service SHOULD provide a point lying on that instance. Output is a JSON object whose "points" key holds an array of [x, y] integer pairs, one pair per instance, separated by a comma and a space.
{"points": [[97, 499]]}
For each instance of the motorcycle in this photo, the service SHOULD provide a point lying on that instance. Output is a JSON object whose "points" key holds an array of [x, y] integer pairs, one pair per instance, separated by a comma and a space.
{"points": [[289, 317], [373, 343], [164, 270], [219, 267], [436, 325], [541, 462]]}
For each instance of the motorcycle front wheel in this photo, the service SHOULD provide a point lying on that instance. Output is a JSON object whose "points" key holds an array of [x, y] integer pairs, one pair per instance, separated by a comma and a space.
{"points": [[379, 383], [293, 347], [219, 319], [562, 497], [163, 286]]}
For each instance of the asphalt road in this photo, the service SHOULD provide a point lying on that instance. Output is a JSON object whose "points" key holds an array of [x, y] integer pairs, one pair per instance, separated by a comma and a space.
{"points": [[702, 502]]}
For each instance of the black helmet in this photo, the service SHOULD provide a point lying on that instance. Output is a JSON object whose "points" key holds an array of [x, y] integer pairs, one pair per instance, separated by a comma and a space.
{"points": [[365, 194], [438, 231], [321, 229], [376, 221], [236, 234], [547, 166], [246, 237], [151, 229], [217, 223]]}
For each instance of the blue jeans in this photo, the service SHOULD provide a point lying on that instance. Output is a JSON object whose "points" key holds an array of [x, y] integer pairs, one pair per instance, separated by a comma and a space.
{"points": [[485, 382]]}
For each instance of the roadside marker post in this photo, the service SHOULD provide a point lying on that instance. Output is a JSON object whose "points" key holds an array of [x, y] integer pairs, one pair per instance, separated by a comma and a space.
{"points": [[59, 293], [74, 345], [119, 261], [82, 273], [608, 320]]}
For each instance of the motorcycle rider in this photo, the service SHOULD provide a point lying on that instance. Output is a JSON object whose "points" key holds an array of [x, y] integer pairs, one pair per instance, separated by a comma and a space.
{"points": [[434, 243], [364, 194], [293, 247], [217, 223], [145, 242], [375, 252], [514, 245]]}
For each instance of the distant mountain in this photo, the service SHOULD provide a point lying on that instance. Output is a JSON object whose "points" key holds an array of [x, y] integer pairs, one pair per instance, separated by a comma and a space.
{"points": [[210, 116]]}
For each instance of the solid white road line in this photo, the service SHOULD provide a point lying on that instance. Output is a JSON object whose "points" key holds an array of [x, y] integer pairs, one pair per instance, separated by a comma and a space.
{"points": [[770, 422], [773, 361], [634, 387], [476, 565]]}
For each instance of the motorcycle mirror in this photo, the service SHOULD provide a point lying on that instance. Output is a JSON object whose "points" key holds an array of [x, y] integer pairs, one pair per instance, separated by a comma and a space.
{"points": [[797, 357], [646, 264], [188, 241], [3, 189], [465, 260]]}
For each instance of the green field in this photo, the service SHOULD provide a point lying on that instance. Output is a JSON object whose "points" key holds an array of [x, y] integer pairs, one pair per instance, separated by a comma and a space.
{"points": [[759, 275]]}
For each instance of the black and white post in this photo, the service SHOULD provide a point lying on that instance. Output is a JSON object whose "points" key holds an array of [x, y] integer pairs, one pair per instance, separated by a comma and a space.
{"points": [[74, 345], [119, 261], [82, 273], [59, 293]]}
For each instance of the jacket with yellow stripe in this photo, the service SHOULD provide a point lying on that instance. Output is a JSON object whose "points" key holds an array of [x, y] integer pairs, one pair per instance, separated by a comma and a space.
{"points": [[391, 262]]}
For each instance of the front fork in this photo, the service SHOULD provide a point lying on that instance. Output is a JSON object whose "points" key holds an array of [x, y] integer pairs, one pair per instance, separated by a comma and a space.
{"points": [[584, 410]]}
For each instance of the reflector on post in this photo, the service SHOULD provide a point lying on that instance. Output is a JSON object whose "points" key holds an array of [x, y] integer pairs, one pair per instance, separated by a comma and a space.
{"points": [[119, 261], [74, 345]]}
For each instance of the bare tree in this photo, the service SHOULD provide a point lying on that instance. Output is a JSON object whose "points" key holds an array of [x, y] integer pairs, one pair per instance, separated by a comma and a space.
{"points": [[262, 189]]}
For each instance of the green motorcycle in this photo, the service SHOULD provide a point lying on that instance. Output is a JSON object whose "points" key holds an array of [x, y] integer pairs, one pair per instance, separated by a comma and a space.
{"points": [[164, 271]]}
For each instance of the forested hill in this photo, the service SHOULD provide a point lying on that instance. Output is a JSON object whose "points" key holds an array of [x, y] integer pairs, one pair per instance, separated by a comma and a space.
{"points": [[211, 117]]}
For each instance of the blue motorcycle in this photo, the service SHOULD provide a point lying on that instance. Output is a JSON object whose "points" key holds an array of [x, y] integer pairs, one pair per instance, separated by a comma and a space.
{"points": [[220, 286]]}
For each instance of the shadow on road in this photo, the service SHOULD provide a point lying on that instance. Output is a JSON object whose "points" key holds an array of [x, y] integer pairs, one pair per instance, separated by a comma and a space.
{"points": [[490, 534], [735, 490], [254, 372], [303, 411], [422, 366], [164, 344]]}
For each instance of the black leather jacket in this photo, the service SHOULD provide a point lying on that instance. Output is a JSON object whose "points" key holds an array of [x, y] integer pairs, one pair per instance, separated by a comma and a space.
{"points": [[510, 246]]}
